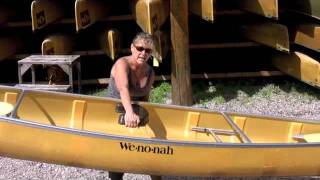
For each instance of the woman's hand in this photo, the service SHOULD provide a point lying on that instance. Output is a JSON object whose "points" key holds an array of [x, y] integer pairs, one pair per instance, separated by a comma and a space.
{"points": [[132, 120]]}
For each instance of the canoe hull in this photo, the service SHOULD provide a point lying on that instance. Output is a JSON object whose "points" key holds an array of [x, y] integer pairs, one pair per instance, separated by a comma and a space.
{"points": [[45, 12], [266, 8], [116, 153], [309, 8], [110, 43], [299, 66], [203, 8], [89, 12], [270, 34], [150, 15], [9, 46], [58, 44], [307, 35]]}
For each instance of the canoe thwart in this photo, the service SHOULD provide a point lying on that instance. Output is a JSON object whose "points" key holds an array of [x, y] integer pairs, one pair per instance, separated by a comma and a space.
{"points": [[314, 137], [242, 136], [214, 132]]}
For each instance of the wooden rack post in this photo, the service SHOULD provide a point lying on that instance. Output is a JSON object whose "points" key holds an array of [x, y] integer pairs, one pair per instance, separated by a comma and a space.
{"points": [[180, 72]]}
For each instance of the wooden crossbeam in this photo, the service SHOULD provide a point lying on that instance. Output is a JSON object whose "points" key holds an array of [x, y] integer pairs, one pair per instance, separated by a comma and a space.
{"points": [[224, 45], [191, 46], [199, 76]]}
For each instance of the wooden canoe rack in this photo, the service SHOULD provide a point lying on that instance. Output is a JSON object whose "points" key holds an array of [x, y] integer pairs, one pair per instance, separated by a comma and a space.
{"points": [[65, 62], [246, 24]]}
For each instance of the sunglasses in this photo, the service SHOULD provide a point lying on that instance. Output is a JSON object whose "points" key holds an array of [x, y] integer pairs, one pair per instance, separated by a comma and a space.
{"points": [[140, 49]]}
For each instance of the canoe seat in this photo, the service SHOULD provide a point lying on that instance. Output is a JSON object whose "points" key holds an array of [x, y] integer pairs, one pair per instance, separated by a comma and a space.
{"points": [[77, 115], [314, 137], [5, 108]]}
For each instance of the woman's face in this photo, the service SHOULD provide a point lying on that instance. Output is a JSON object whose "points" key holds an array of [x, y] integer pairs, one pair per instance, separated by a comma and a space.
{"points": [[141, 51]]}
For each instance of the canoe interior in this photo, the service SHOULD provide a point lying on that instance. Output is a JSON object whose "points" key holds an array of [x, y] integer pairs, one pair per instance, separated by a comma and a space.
{"points": [[165, 122]]}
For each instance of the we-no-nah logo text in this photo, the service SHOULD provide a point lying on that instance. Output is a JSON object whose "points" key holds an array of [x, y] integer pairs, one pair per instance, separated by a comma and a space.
{"points": [[146, 149]]}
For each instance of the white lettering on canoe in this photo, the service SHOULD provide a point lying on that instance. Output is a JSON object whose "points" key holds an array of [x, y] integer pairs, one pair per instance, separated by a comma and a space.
{"points": [[146, 149]]}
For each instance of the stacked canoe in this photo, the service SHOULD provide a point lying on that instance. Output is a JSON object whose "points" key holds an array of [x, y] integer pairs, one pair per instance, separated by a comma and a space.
{"points": [[287, 31]]}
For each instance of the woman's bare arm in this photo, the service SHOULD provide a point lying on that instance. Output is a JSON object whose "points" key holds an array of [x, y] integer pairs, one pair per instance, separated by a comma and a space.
{"points": [[120, 74]]}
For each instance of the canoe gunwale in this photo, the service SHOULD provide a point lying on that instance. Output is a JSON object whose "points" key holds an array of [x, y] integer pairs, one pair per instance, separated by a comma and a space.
{"points": [[152, 141], [229, 113]]}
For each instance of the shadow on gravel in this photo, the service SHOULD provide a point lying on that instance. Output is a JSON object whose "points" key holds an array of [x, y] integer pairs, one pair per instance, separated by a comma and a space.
{"points": [[224, 90], [291, 85]]}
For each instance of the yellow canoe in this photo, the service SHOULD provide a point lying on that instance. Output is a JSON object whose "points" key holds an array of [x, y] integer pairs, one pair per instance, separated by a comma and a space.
{"points": [[83, 131]]}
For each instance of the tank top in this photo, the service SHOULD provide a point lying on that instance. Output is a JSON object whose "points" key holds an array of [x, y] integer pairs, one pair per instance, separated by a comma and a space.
{"points": [[136, 93]]}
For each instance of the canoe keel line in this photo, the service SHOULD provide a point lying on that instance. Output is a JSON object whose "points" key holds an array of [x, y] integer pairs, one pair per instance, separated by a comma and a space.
{"points": [[83, 131]]}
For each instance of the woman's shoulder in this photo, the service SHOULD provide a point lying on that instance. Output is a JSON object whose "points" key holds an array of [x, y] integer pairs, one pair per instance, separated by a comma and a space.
{"points": [[120, 65], [122, 62]]}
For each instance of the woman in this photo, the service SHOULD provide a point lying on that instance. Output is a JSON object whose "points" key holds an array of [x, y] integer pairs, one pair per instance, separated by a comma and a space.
{"points": [[131, 79]]}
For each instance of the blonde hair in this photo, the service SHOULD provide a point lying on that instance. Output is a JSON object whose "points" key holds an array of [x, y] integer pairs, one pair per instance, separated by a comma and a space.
{"points": [[145, 37]]}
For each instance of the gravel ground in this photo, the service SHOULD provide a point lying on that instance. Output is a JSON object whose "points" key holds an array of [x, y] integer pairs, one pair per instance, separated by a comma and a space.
{"points": [[277, 102]]}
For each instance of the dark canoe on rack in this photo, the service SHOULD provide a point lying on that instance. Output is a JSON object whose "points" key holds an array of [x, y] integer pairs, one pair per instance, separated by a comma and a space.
{"points": [[57, 44], [271, 34], [88, 12], [45, 12], [267, 8], [309, 8], [83, 131], [9, 46]]}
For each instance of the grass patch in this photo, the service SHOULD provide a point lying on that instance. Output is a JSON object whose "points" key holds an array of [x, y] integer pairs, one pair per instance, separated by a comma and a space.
{"points": [[160, 93], [268, 90], [225, 90], [95, 91]]}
